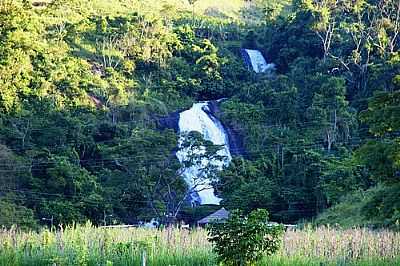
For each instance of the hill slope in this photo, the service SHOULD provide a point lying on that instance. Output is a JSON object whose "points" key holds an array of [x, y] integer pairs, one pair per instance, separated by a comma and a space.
{"points": [[84, 85]]}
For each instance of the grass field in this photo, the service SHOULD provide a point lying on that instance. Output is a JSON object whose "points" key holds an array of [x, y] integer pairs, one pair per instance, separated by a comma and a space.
{"points": [[87, 245]]}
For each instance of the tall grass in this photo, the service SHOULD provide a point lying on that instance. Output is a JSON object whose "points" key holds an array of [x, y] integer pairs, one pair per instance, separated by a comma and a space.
{"points": [[347, 245], [88, 245]]}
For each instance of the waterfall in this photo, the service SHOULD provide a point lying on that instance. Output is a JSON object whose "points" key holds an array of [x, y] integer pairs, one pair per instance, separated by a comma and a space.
{"points": [[199, 118], [258, 62]]}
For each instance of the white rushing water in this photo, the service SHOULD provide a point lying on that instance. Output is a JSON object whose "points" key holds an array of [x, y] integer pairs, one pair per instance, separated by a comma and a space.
{"points": [[197, 119], [258, 61]]}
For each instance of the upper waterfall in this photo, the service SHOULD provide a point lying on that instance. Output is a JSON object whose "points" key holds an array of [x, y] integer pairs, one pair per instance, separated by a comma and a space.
{"points": [[257, 61], [198, 118]]}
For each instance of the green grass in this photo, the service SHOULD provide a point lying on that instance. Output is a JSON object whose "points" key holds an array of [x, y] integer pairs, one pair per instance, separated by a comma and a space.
{"points": [[299, 261], [88, 245]]}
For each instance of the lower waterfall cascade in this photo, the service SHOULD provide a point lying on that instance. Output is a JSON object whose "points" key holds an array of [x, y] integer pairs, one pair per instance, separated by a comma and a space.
{"points": [[199, 119]]}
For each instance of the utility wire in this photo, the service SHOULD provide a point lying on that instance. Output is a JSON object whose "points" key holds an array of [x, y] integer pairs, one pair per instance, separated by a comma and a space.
{"points": [[102, 163], [355, 142], [267, 108], [91, 202]]}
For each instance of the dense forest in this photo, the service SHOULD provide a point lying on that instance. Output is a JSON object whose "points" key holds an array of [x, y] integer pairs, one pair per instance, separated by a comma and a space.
{"points": [[85, 87]]}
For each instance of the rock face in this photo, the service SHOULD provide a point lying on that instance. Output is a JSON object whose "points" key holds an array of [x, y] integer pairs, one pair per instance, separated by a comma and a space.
{"points": [[203, 117], [236, 145], [170, 121]]}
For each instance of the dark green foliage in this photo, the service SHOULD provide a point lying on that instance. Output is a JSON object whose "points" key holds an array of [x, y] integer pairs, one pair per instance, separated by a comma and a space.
{"points": [[244, 240], [301, 128], [250, 185], [383, 207], [347, 213], [382, 156], [15, 215], [80, 99]]}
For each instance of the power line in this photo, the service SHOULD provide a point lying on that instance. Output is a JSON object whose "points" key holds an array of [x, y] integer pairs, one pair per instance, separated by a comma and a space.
{"points": [[95, 163], [267, 108], [95, 203], [118, 142], [122, 123]]}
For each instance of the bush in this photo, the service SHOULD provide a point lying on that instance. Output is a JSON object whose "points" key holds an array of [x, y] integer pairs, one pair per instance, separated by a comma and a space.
{"points": [[13, 214], [244, 240]]}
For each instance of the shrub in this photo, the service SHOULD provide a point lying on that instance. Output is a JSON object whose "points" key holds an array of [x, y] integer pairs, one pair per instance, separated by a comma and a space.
{"points": [[245, 240], [13, 214]]}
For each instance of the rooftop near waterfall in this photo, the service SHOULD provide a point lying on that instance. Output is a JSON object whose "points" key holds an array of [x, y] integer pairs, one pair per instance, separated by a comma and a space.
{"points": [[216, 217]]}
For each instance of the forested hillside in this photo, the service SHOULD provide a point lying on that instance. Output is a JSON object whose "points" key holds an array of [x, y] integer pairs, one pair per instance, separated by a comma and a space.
{"points": [[85, 88]]}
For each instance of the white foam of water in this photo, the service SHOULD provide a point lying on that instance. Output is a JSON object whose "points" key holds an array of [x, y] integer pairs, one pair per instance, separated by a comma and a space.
{"points": [[258, 61], [197, 119]]}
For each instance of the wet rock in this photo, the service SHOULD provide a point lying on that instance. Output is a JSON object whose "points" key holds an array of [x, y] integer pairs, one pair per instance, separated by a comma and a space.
{"points": [[170, 121], [236, 145]]}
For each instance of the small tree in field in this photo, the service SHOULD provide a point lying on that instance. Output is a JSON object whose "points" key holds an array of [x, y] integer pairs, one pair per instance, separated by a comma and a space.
{"points": [[244, 240]]}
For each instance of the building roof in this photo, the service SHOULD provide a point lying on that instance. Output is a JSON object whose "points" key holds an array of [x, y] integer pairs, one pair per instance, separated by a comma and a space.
{"points": [[218, 216]]}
